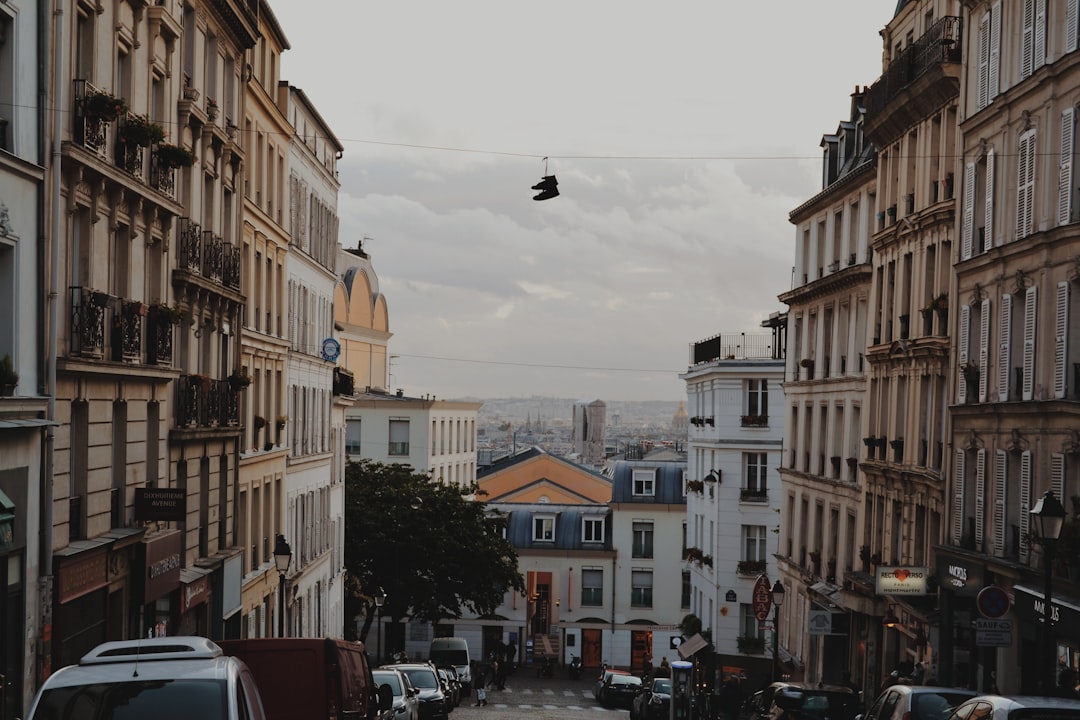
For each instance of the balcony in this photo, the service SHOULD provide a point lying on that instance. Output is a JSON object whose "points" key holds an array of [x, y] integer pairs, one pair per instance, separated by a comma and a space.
{"points": [[753, 495], [162, 176], [88, 322], [734, 347], [127, 328], [90, 131], [203, 402], [922, 79], [159, 336], [207, 256], [750, 645], [750, 568], [757, 421], [344, 383]]}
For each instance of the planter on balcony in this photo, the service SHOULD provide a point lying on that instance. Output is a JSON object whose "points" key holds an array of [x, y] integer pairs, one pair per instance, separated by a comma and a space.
{"points": [[140, 130], [174, 156], [239, 381], [8, 377], [751, 645], [100, 105], [695, 486], [750, 567], [755, 420]]}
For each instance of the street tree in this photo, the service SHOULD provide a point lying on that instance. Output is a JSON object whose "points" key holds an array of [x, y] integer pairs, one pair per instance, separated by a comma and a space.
{"points": [[434, 549]]}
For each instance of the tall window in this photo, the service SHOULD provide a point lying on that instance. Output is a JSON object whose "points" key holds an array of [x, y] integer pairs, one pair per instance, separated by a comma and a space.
{"points": [[756, 468], [757, 397], [592, 529], [641, 584], [643, 539], [1025, 184], [644, 483], [399, 437], [685, 601], [544, 528], [989, 57], [754, 539], [352, 436], [749, 627], [592, 587]]}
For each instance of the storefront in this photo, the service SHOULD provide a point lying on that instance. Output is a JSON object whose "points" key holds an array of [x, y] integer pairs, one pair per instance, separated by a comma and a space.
{"points": [[194, 602], [959, 580], [1031, 609], [159, 558]]}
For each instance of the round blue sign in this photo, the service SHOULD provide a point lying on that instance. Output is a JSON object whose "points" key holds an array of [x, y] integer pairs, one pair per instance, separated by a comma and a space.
{"points": [[993, 602], [331, 349]]}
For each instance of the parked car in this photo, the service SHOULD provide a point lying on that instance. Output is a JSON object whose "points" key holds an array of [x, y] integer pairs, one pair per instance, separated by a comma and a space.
{"points": [[653, 701], [788, 701], [425, 678], [169, 678], [603, 678], [451, 686], [916, 702], [311, 678], [405, 705], [619, 690], [454, 651], [995, 707]]}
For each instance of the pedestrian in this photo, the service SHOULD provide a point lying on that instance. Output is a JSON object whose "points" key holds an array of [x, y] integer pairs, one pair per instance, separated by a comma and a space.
{"points": [[494, 672], [1066, 687], [500, 674], [665, 668], [479, 681], [731, 698]]}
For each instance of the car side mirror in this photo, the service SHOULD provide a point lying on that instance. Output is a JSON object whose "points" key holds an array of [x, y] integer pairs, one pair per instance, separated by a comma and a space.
{"points": [[386, 697]]}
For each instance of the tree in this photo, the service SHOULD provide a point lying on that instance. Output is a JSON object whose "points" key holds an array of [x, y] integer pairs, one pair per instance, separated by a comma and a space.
{"points": [[434, 550]]}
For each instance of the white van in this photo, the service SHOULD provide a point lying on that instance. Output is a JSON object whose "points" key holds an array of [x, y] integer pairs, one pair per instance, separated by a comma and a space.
{"points": [[453, 652]]}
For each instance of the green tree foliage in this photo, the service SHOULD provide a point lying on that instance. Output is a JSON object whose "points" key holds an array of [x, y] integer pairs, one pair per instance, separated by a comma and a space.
{"points": [[432, 548]]}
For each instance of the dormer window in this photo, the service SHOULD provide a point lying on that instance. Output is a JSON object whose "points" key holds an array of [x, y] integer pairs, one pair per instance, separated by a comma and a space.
{"points": [[644, 483], [544, 528]]}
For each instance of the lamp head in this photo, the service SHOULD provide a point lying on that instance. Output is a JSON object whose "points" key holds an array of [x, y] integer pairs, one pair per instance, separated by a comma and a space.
{"points": [[777, 594], [380, 598], [1048, 515], [282, 554]]}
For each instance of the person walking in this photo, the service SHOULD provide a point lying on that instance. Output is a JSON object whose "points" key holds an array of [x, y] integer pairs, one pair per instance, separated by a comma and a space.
{"points": [[479, 680], [731, 698]]}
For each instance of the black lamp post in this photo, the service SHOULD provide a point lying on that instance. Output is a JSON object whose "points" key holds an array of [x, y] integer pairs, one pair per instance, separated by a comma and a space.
{"points": [[777, 601], [380, 600], [1048, 516], [282, 559]]}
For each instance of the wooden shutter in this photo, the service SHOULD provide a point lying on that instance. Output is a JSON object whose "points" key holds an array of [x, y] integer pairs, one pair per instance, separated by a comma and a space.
{"points": [[982, 99], [994, 59], [959, 471], [1039, 58], [1057, 475], [1061, 339], [968, 228], [1030, 309], [988, 217], [1004, 347], [1025, 502], [980, 497], [1001, 471], [962, 350], [984, 349], [1027, 39], [1025, 184], [1071, 14], [1065, 191]]}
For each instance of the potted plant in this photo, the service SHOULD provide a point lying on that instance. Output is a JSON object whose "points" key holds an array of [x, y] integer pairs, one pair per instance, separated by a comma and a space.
{"points": [[201, 382], [259, 422], [174, 156], [281, 420], [8, 377], [211, 108], [695, 486], [140, 130], [970, 371], [98, 298], [239, 380], [100, 105]]}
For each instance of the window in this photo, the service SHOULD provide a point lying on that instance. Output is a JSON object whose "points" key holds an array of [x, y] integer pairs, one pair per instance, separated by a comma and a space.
{"points": [[352, 437], [643, 539], [756, 468], [1025, 184], [641, 588], [592, 529], [1033, 37], [644, 483], [399, 437], [989, 56], [544, 528], [7, 79], [592, 587], [754, 538], [749, 627], [685, 602], [757, 397], [1066, 202], [977, 228]]}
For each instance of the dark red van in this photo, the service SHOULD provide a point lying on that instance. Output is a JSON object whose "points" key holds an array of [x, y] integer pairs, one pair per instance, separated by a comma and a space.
{"points": [[311, 678]]}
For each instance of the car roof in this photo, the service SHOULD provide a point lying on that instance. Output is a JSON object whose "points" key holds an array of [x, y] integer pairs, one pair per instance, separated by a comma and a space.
{"points": [[1027, 701], [188, 658]]}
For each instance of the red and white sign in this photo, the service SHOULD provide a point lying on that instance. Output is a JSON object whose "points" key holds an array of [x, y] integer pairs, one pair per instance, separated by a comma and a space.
{"points": [[762, 598]]}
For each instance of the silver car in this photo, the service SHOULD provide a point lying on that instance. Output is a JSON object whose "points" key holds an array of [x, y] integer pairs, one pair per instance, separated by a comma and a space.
{"points": [[995, 707], [405, 706], [916, 702]]}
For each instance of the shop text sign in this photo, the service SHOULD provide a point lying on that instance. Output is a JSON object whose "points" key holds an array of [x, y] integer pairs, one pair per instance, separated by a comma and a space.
{"points": [[901, 580], [762, 598]]}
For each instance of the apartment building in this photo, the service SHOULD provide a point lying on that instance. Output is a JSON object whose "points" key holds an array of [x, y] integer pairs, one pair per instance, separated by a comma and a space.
{"points": [[24, 409], [732, 497], [362, 321], [821, 493], [1014, 384]]}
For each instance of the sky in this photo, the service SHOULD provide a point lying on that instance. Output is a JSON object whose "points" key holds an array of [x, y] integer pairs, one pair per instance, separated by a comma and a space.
{"points": [[682, 134]]}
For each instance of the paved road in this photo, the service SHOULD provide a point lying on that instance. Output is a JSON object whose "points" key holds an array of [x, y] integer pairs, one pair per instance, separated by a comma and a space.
{"points": [[538, 699]]}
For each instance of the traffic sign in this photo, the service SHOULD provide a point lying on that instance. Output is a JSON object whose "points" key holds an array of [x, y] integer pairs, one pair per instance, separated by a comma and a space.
{"points": [[762, 597], [990, 632], [993, 602]]}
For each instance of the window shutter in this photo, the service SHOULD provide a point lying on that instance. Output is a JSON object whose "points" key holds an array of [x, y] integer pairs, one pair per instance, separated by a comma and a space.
{"points": [[1057, 475], [962, 350], [969, 211], [980, 497], [1004, 346], [1071, 8], [1061, 339], [1027, 39], [1039, 58], [1068, 125], [988, 219], [1025, 502], [959, 470], [984, 62], [1030, 307], [984, 349], [1001, 465], [994, 60], [1025, 184]]}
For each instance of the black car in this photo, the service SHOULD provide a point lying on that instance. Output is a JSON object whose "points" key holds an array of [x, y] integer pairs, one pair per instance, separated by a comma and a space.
{"points": [[619, 691], [653, 701], [812, 702], [425, 678]]}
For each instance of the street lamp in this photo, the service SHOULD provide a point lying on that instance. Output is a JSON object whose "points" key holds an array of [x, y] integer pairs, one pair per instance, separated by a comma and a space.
{"points": [[777, 601], [282, 559], [380, 600], [1048, 516]]}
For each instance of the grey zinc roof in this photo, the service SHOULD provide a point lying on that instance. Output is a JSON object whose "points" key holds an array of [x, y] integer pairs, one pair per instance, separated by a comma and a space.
{"points": [[567, 524], [669, 481]]}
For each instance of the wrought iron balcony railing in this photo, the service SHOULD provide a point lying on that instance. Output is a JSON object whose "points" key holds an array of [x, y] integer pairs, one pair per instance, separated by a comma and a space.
{"points": [[204, 402], [750, 567], [190, 245], [159, 337], [939, 44], [90, 132], [212, 255], [127, 331], [162, 177], [230, 270], [751, 645], [88, 322], [753, 495]]}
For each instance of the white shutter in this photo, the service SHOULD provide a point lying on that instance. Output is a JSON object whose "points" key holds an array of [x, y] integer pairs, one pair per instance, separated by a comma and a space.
{"points": [[959, 470], [1027, 38], [1025, 502], [980, 497], [1025, 184], [984, 349], [988, 218], [984, 62], [1061, 339], [1057, 475], [962, 350], [1039, 58], [1071, 14], [969, 211], [1030, 308], [1004, 347], [1068, 125], [994, 59], [1001, 468]]}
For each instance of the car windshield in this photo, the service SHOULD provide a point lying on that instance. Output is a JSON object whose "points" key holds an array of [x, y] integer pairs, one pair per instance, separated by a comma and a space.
{"points": [[662, 685], [935, 705], [834, 705], [422, 678], [450, 657], [625, 680], [391, 679], [159, 699]]}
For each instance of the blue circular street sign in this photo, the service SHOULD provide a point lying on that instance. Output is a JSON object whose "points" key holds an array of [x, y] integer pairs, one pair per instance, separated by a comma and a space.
{"points": [[331, 349], [993, 602]]}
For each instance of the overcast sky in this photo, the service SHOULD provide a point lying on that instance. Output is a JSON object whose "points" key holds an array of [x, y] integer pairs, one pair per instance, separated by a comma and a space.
{"points": [[682, 134]]}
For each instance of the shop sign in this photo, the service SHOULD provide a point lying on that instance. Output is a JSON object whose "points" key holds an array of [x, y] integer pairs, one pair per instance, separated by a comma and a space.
{"points": [[160, 504], [901, 580], [82, 576], [194, 593], [162, 565], [1031, 608], [961, 578], [762, 598]]}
